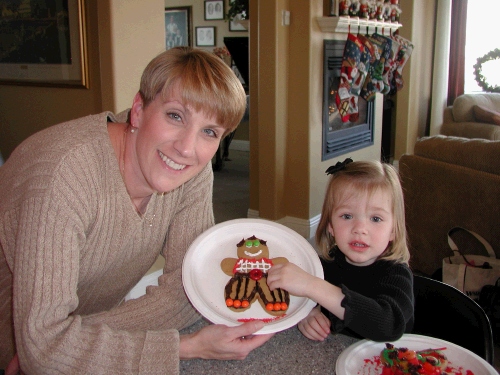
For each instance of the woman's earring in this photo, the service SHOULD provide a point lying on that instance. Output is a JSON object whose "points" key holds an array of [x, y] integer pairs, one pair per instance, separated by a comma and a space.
{"points": [[132, 130]]}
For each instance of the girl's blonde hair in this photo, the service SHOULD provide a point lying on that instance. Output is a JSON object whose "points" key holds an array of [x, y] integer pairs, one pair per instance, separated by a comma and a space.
{"points": [[365, 177], [205, 81]]}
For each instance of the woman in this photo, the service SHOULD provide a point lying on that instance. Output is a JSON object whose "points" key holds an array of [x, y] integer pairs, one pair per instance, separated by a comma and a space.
{"points": [[87, 207]]}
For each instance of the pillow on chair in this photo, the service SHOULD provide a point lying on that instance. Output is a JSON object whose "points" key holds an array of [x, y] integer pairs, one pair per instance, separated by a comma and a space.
{"points": [[484, 114]]}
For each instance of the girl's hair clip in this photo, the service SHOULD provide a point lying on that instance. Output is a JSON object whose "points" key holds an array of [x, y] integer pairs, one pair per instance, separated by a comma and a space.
{"points": [[338, 167]]}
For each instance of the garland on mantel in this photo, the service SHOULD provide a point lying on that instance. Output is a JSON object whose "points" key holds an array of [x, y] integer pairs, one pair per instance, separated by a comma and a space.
{"points": [[480, 79]]}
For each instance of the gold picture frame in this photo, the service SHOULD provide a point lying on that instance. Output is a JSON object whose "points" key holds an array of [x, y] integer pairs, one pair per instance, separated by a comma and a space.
{"points": [[44, 46]]}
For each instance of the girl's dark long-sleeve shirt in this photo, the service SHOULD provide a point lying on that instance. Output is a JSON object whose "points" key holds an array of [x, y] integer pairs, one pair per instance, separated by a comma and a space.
{"points": [[378, 298]]}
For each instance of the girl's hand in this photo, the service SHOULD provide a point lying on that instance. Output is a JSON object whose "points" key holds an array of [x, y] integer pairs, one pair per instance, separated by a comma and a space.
{"points": [[316, 326], [290, 277], [222, 342]]}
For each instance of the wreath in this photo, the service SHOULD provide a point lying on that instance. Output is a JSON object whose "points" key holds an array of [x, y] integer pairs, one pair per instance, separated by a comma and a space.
{"points": [[480, 79]]}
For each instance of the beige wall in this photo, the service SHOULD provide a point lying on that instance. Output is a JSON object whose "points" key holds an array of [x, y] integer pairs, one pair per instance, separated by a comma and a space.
{"points": [[287, 175], [136, 34], [269, 140], [221, 27], [27, 109], [317, 178], [413, 102], [221, 31], [286, 172], [123, 35]]}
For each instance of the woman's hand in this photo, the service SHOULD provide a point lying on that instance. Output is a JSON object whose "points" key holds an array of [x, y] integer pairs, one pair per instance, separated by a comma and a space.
{"points": [[316, 326], [292, 278], [222, 342]]}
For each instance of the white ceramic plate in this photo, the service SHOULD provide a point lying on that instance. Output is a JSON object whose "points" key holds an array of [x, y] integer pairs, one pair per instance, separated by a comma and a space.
{"points": [[357, 358], [204, 280]]}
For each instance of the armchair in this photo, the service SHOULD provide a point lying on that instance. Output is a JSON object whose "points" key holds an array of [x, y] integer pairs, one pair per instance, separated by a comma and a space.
{"points": [[450, 182], [473, 116]]}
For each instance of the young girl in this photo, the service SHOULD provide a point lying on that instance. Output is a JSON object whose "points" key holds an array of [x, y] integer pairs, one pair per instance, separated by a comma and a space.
{"points": [[368, 286]]}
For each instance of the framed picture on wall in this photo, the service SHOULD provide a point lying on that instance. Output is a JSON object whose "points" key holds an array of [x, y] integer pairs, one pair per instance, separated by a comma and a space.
{"points": [[238, 13], [48, 48], [214, 10], [178, 26], [238, 24], [205, 36]]}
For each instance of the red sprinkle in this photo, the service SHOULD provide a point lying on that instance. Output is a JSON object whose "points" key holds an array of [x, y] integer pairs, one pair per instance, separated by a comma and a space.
{"points": [[375, 364], [265, 320]]}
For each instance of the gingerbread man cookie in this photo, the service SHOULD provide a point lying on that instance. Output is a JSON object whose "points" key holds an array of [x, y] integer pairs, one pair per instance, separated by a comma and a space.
{"points": [[249, 279]]}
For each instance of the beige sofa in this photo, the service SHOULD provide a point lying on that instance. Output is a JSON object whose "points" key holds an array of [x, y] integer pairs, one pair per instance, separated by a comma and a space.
{"points": [[473, 116], [449, 182]]}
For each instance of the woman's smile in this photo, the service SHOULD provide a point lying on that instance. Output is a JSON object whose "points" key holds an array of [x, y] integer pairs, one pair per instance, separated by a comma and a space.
{"points": [[170, 163]]}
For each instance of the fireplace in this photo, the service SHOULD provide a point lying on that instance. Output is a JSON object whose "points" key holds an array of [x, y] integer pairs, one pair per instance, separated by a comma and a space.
{"points": [[342, 137]]}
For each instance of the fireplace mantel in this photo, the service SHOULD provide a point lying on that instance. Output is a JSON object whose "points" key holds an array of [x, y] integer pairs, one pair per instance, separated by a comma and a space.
{"points": [[344, 24]]}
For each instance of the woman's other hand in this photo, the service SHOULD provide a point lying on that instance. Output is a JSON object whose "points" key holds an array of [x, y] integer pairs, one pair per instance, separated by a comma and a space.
{"points": [[222, 342], [316, 326]]}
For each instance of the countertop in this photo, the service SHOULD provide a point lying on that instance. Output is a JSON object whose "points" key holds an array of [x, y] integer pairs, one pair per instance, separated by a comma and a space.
{"points": [[287, 352]]}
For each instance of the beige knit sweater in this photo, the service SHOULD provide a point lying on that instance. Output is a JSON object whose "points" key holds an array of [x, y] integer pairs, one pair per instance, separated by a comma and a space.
{"points": [[72, 246]]}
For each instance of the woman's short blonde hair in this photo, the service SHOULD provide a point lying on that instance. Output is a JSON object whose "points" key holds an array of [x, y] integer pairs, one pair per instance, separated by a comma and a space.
{"points": [[365, 177], [205, 81]]}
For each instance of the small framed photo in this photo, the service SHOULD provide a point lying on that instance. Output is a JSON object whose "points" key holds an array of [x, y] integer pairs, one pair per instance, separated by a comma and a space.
{"points": [[238, 24], [205, 36], [178, 26], [214, 10]]}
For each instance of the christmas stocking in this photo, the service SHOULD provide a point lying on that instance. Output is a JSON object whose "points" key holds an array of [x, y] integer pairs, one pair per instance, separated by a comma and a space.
{"points": [[350, 61], [363, 65], [390, 66], [374, 83], [353, 108], [404, 53]]}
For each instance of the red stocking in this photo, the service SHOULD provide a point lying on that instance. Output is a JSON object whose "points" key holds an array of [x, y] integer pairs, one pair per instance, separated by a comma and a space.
{"points": [[350, 61]]}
